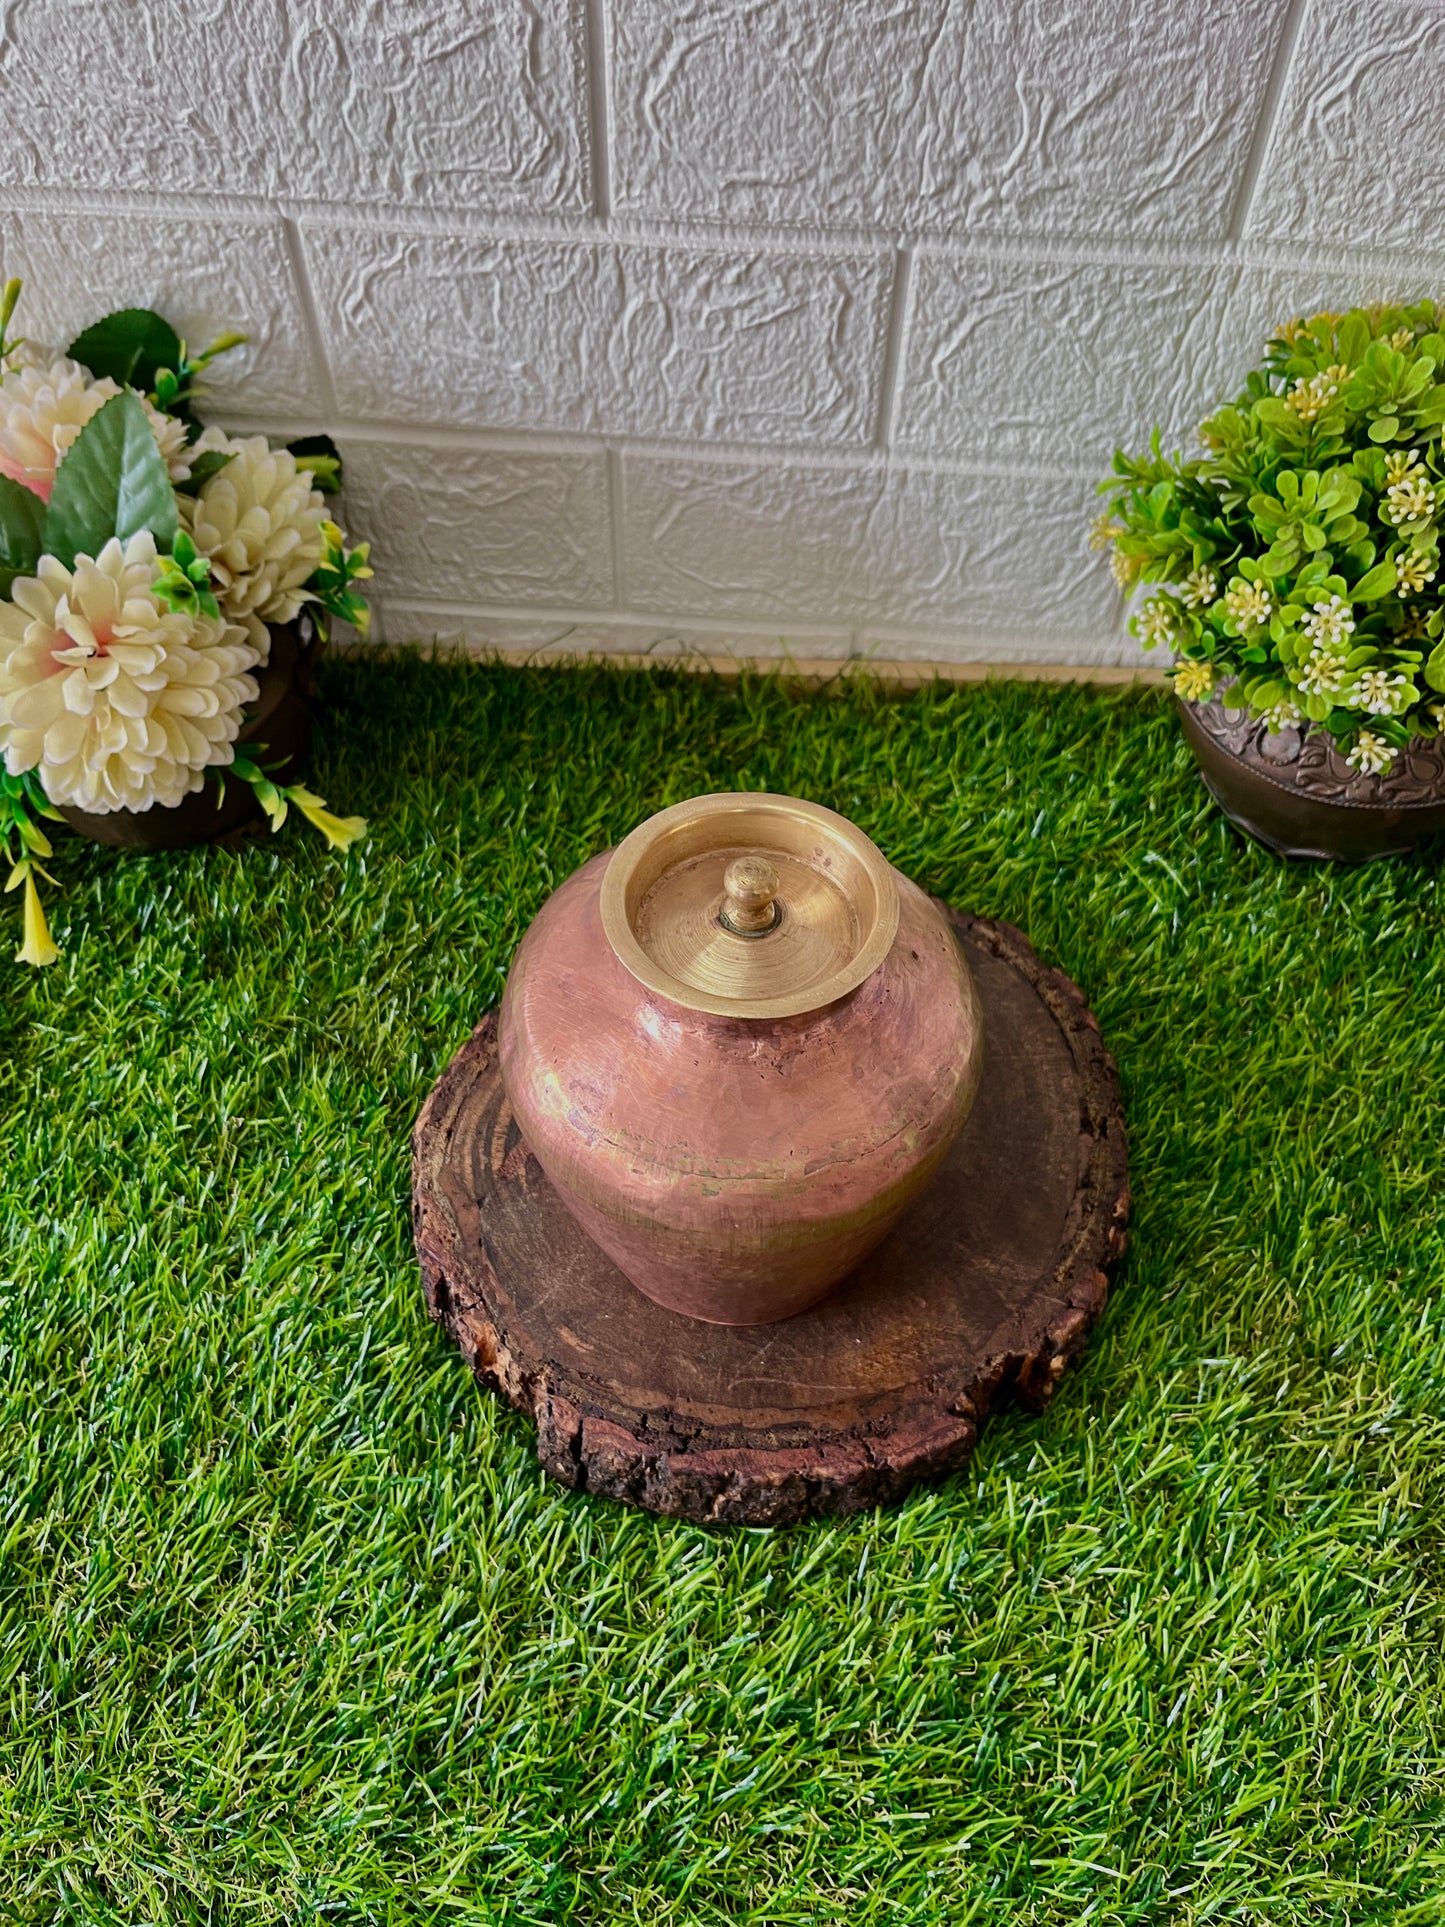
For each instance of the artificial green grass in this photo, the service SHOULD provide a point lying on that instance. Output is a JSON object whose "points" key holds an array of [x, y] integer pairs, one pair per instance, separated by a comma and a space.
{"points": [[294, 1629]]}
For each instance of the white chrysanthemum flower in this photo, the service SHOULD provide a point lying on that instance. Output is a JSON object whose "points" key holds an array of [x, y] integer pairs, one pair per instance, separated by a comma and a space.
{"points": [[1412, 573], [1372, 755], [46, 400], [1199, 587], [1329, 623], [1247, 604], [1282, 715], [259, 521], [1193, 680], [1380, 693], [116, 702], [1324, 674]]}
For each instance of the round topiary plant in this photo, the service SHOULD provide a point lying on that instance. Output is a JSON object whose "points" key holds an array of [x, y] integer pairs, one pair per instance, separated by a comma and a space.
{"points": [[1297, 567]]}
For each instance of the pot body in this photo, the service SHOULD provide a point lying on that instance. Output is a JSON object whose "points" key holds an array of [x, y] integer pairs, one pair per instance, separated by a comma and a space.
{"points": [[1293, 790], [281, 721], [735, 1169]]}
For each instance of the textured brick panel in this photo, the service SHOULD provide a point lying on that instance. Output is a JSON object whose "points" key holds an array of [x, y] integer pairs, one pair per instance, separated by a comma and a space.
{"points": [[77, 267], [403, 622], [1053, 363], [482, 525], [1104, 117], [1267, 297], [590, 337], [1048, 362], [879, 546], [448, 105], [1109, 648], [1356, 154]]}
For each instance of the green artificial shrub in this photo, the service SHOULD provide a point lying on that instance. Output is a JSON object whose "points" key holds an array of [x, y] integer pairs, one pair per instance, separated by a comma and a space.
{"points": [[1299, 556]]}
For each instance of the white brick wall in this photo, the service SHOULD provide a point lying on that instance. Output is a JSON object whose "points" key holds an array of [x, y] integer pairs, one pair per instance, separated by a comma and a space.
{"points": [[726, 324]]}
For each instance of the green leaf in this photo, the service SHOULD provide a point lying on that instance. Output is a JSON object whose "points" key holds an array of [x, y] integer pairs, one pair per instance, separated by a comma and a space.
{"points": [[111, 481], [1353, 336], [1385, 429], [131, 346], [1435, 667], [321, 455], [1275, 413], [22, 524], [1380, 581], [202, 469]]}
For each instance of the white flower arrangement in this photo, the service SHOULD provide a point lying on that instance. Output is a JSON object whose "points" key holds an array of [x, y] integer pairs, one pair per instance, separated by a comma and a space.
{"points": [[143, 559]]}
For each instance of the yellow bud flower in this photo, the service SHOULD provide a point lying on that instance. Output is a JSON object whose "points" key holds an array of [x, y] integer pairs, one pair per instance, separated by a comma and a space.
{"points": [[39, 947], [340, 831]]}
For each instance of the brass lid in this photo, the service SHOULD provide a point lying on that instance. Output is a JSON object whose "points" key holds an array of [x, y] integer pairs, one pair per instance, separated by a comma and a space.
{"points": [[749, 905]]}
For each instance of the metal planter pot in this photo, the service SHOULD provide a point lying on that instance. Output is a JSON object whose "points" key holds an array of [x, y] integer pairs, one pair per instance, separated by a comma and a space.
{"points": [[1293, 791]]}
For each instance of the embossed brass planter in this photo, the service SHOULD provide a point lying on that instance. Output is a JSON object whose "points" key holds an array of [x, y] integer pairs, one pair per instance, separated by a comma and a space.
{"points": [[1295, 792], [739, 1046]]}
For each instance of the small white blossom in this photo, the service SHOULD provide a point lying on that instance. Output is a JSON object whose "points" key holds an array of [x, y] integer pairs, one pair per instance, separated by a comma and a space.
{"points": [[1329, 623], [1247, 604], [1324, 674], [1377, 691], [1199, 587], [1123, 568], [1280, 716], [1410, 503], [1193, 680], [1402, 339], [1158, 622], [1372, 755], [1102, 531], [1312, 395], [1401, 464], [1411, 574]]}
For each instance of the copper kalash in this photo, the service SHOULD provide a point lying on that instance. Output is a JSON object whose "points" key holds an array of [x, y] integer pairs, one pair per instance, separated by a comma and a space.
{"points": [[739, 1045]]}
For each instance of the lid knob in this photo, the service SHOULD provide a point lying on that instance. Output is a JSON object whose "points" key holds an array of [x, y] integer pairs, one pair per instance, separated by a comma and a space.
{"points": [[750, 908]]}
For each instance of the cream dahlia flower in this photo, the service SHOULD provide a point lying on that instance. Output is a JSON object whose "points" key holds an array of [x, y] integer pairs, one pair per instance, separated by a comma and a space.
{"points": [[44, 404], [116, 702], [259, 522]]}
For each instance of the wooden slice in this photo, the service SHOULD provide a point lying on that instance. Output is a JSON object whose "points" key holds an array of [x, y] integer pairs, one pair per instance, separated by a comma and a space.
{"points": [[986, 1287]]}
